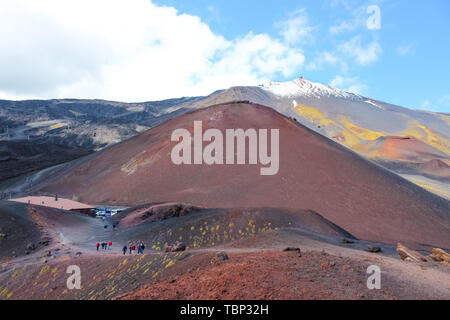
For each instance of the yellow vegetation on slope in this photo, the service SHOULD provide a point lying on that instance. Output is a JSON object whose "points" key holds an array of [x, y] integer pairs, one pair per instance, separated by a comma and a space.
{"points": [[426, 135], [57, 126], [312, 114], [361, 133]]}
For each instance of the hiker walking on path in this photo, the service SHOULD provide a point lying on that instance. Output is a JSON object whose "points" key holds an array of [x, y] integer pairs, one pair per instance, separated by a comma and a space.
{"points": [[109, 245], [139, 248], [124, 249], [97, 245]]}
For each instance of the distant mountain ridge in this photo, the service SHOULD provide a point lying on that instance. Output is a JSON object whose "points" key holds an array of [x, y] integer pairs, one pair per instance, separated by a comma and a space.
{"points": [[360, 123]]}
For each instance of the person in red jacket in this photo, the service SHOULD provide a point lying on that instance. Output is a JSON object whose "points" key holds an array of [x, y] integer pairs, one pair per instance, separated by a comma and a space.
{"points": [[132, 248], [109, 245], [97, 245]]}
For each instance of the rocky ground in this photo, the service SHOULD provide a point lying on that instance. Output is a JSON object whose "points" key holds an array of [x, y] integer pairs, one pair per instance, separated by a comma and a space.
{"points": [[249, 266]]}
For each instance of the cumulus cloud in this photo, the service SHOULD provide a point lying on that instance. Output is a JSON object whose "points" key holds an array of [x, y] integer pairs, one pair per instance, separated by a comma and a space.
{"points": [[325, 59], [364, 55], [296, 28], [130, 51]]}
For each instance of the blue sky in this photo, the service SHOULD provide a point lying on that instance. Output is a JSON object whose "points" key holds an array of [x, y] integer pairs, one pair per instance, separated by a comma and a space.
{"points": [[412, 68], [142, 50]]}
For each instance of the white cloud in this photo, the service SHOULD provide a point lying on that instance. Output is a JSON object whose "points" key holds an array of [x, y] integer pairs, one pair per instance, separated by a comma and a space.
{"points": [[296, 28], [130, 51], [356, 20], [403, 50], [426, 105], [343, 27], [350, 84], [441, 104], [327, 58], [445, 99], [363, 55]]}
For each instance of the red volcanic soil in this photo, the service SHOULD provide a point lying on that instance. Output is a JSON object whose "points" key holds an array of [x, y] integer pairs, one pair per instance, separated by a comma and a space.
{"points": [[275, 275], [267, 275], [404, 149], [314, 173], [435, 167]]}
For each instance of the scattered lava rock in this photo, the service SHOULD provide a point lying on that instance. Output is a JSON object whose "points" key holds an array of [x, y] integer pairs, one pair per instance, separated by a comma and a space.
{"points": [[30, 247], [222, 256], [3, 235], [408, 254], [374, 249], [347, 241], [45, 241], [180, 246], [440, 255], [293, 249]]}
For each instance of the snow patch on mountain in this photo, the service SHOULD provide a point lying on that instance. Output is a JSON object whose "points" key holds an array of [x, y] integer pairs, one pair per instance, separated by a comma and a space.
{"points": [[303, 87]]}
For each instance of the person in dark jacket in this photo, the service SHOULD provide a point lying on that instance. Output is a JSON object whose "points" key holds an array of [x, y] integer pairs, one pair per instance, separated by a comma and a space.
{"points": [[124, 249]]}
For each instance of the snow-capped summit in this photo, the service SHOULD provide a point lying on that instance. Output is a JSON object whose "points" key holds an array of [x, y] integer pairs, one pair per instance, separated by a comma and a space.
{"points": [[303, 87]]}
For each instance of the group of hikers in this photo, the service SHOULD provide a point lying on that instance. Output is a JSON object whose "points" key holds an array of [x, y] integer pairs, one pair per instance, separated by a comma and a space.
{"points": [[104, 245], [132, 248]]}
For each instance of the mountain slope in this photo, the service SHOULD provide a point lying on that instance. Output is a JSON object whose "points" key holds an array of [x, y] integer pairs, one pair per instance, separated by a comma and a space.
{"points": [[314, 173], [357, 122], [56, 131], [354, 121]]}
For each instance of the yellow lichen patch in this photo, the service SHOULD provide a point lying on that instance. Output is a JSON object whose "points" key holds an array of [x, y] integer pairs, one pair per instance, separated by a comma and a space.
{"points": [[428, 136], [142, 257], [15, 274], [171, 263], [346, 138], [44, 270], [4, 291], [313, 115], [57, 126], [359, 132], [124, 262]]}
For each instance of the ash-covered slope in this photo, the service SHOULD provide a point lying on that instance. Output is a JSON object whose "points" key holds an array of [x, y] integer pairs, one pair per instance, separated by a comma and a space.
{"points": [[354, 121], [314, 173], [36, 134]]}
